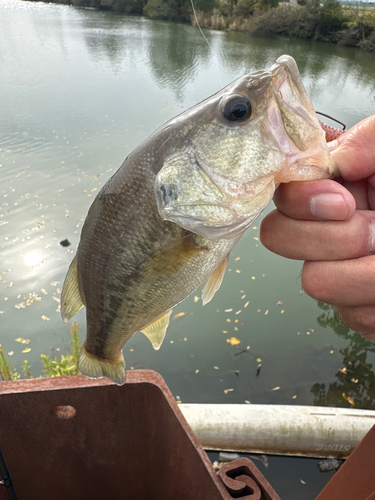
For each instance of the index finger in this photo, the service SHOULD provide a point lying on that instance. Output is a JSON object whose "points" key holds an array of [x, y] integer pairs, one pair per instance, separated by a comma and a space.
{"points": [[354, 151]]}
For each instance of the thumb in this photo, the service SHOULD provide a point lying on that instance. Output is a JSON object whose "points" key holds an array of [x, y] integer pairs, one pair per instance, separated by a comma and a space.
{"points": [[354, 151]]}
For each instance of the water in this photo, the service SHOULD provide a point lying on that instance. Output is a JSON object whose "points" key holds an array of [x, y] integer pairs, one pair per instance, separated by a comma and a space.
{"points": [[79, 89]]}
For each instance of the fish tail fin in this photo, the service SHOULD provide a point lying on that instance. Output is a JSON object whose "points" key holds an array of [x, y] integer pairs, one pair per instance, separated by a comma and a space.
{"points": [[95, 367], [71, 300]]}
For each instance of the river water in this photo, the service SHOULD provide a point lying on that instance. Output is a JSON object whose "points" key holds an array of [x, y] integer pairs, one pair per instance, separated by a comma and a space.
{"points": [[79, 89]]}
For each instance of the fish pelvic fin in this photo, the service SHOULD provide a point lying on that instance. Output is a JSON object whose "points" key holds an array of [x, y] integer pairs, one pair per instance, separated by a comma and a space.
{"points": [[214, 281], [95, 367], [155, 331], [71, 300]]}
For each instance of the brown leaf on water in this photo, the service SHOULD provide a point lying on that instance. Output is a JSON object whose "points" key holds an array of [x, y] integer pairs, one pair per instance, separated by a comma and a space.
{"points": [[348, 399], [343, 370]]}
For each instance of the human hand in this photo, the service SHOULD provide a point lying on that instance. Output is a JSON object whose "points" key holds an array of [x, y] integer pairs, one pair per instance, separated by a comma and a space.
{"points": [[330, 224]]}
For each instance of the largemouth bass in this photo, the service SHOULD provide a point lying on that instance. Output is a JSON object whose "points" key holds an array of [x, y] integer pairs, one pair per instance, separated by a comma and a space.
{"points": [[166, 221]]}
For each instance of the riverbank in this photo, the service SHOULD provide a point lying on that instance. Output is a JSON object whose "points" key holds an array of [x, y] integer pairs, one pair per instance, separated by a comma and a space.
{"points": [[328, 21]]}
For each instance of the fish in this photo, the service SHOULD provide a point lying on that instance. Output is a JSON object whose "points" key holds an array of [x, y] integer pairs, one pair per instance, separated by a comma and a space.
{"points": [[166, 221]]}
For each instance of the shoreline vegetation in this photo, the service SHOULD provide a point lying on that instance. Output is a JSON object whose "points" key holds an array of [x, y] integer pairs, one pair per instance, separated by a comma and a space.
{"points": [[343, 23]]}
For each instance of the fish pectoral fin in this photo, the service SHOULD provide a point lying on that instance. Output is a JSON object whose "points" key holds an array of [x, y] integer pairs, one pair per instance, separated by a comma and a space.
{"points": [[71, 300], [214, 281], [95, 367], [155, 331]]}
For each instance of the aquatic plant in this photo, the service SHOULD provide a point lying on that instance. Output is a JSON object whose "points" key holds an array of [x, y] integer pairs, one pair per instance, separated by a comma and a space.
{"points": [[56, 366]]}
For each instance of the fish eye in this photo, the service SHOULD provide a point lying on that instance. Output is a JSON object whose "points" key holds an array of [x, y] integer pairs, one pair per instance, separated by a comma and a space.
{"points": [[236, 108]]}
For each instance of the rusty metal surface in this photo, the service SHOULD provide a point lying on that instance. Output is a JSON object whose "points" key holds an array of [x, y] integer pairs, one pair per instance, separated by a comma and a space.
{"points": [[243, 480], [355, 480], [77, 438]]}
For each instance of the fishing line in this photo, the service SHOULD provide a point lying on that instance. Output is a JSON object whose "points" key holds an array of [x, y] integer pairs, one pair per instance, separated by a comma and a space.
{"points": [[208, 43]]}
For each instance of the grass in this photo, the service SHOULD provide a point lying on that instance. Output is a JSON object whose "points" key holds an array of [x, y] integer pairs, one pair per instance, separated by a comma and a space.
{"points": [[56, 366]]}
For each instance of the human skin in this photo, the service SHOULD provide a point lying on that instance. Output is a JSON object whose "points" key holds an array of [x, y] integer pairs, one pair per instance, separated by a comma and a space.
{"points": [[330, 224]]}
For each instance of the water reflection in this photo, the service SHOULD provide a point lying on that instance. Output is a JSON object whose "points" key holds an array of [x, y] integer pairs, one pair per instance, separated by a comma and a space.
{"points": [[355, 384]]}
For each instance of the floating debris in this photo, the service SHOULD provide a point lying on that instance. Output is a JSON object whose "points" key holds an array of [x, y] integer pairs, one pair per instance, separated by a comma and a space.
{"points": [[348, 399], [275, 388], [258, 369], [282, 311], [228, 390], [197, 370], [45, 318], [65, 243], [329, 464], [247, 303], [238, 312], [233, 341], [228, 310], [228, 457], [179, 315], [23, 341], [196, 298], [26, 350]]}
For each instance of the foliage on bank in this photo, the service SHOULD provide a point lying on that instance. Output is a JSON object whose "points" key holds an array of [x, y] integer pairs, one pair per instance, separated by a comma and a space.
{"points": [[351, 24]]}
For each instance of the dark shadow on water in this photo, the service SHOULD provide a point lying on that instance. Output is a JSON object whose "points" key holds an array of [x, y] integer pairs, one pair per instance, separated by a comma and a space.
{"points": [[355, 381]]}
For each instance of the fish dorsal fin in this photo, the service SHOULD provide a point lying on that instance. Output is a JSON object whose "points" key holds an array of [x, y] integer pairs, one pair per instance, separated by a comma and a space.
{"points": [[214, 281], [71, 301], [155, 331]]}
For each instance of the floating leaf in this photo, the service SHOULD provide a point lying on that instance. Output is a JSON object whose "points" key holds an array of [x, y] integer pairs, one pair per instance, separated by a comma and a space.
{"points": [[282, 311], [179, 315], [348, 399], [10, 353], [197, 371], [45, 318], [233, 341], [23, 341], [196, 298], [228, 390], [275, 388], [247, 303], [228, 310], [26, 350], [259, 360], [343, 370], [238, 271]]}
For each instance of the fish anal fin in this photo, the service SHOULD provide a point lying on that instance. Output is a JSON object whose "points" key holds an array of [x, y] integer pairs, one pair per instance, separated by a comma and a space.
{"points": [[71, 300], [95, 367], [214, 281], [155, 331]]}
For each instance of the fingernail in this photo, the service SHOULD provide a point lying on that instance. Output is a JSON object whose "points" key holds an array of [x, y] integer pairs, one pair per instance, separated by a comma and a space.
{"points": [[329, 206], [333, 145]]}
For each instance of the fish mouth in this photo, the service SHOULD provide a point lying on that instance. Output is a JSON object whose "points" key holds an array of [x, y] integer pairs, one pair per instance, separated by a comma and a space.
{"points": [[295, 126]]}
